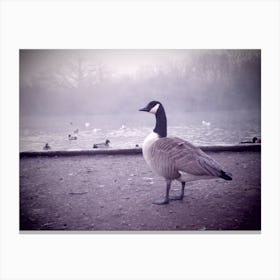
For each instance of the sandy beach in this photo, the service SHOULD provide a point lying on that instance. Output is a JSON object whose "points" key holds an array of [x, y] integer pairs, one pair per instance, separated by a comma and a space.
{"points": [[115, 193]]}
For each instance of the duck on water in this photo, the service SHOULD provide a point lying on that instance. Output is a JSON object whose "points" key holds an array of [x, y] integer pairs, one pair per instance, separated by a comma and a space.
{"points": [[70, 137], [254, 140], [47, 147], [101, 145], [176, 159]]}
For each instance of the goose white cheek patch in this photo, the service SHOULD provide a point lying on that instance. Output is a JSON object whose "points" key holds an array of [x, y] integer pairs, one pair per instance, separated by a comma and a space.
{"points": [[154, 109]]}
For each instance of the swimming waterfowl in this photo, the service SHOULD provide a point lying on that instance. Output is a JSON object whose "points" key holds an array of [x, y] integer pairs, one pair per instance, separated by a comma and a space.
{"points": [[257, 140], [102, 145], [70, 137], [254, 140], [176, 159], [47, 147]]}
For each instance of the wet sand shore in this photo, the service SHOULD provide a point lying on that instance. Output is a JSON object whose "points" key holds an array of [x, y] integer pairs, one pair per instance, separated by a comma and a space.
{"points": [[115, 193]]}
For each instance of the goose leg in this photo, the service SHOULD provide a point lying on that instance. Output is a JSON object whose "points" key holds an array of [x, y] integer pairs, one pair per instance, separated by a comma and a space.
{"points": [[166, 199], [181, 196]]}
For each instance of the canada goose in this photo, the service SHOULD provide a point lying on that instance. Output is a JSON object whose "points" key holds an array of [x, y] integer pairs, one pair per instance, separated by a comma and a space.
{"points": [[70, 137], [174, 158], [101, 145], [254, 140], [47, 147]]}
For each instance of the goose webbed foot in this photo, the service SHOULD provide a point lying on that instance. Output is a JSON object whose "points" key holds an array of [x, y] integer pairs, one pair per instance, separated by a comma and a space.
{"points": [[166, 199], [176, 197], [161, 202]]}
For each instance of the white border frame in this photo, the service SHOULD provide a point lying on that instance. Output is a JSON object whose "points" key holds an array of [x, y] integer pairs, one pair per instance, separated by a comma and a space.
{"points": [[145, 24]]}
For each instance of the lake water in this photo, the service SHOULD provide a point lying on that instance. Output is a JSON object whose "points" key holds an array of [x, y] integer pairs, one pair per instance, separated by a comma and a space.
{"points": [[126, 131]]}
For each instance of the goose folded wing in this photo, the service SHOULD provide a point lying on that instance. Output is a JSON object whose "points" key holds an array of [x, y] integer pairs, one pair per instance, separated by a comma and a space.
{"points": [[186, 157]]}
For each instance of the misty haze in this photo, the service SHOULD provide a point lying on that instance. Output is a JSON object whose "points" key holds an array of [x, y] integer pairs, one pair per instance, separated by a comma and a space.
{"points": [[83, 162], [210, 96]]}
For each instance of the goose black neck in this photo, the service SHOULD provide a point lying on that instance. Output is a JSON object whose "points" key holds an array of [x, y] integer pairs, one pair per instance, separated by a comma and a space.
{"points": [[161, 122]]}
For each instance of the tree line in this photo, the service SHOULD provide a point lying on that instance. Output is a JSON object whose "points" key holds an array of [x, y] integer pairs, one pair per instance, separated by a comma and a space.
{"points": [[202, 80]]}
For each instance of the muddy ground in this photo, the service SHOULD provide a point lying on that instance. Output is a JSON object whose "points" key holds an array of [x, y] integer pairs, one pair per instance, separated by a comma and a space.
{"points": [[115, 193]]}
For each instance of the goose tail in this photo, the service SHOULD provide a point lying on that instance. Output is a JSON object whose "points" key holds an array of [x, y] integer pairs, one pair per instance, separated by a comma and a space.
{"points": [[226, 175]]}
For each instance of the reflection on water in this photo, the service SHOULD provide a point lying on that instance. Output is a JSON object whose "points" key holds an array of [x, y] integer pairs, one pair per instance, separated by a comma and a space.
{"points": [[125, 131]]}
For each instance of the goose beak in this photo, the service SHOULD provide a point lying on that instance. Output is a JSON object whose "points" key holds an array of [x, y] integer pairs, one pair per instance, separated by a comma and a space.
{"points": [[145, 109]]}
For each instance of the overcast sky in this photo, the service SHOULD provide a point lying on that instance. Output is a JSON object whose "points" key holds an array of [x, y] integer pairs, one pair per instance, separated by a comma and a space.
{"points": [[82, 81], [120, 62]]}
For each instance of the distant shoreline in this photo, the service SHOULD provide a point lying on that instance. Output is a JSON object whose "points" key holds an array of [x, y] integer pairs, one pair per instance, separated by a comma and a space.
{"points": [[216, 148]]}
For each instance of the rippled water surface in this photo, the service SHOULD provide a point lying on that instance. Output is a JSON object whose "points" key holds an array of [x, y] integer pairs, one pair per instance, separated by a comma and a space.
{"points": [[126, 131]]}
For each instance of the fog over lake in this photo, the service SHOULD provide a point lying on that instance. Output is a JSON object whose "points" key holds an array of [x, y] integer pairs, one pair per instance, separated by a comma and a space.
{"points": [[210, 96]]}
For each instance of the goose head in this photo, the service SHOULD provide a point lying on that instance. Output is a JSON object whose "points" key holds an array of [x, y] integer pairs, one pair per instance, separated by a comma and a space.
{"points": [[156, 108], [152, 107]]}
